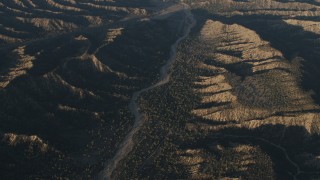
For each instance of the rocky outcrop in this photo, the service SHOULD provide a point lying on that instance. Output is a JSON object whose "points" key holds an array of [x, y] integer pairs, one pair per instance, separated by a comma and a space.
{"points": [[31, 141], [309, 26], [23, 63]]}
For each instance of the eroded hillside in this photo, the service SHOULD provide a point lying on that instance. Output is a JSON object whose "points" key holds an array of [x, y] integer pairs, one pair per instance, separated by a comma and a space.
{"points": [[243, 100], [64, 96], [196, 89], [33, 19]]}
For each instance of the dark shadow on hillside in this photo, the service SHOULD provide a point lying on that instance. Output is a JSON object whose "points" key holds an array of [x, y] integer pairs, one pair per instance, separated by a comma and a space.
{"points": [[291, 40], [285, 149]]}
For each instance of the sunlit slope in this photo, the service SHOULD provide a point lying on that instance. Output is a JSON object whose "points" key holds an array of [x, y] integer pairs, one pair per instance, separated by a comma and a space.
{"points": [[64, 99], [243, 100], [30, 19], [240, 101], [252, 80]]}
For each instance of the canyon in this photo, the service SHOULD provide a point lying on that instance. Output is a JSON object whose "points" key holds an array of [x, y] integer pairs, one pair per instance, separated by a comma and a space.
{"points": [[190, 89]]}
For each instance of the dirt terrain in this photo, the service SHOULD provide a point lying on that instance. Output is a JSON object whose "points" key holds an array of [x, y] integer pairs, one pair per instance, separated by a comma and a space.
{"points": [[201, 89]]}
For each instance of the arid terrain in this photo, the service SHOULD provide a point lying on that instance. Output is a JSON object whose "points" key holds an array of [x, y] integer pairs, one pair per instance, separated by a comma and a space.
{"points": [[150, 89]]}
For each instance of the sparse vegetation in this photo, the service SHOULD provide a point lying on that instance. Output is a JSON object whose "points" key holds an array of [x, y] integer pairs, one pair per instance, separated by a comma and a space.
{"points": [[226, 81], [242, 100], [72, 91]]}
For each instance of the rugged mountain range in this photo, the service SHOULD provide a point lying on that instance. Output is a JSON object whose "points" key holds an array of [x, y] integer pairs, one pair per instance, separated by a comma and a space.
{"points": [[195, 89]]}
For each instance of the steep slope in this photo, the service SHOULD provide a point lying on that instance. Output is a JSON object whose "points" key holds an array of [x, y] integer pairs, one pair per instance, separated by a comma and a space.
{"points": [[238, 105], [27, 19], [117, 89], [64, 98]]}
